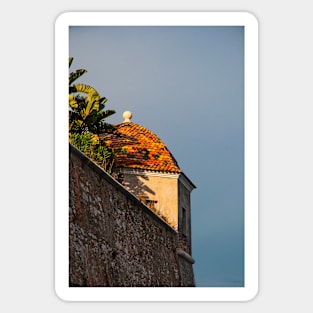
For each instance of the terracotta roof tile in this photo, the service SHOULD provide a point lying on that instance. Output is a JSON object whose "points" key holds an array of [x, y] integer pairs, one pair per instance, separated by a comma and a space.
{"points": [[137, 147]]}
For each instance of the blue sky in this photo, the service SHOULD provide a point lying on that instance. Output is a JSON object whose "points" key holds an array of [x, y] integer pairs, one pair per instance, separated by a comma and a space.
{"points": [[186, 84]]}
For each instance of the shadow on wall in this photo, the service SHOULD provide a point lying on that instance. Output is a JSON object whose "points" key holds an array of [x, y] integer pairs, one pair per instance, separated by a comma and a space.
{"points": [[138, 187]]}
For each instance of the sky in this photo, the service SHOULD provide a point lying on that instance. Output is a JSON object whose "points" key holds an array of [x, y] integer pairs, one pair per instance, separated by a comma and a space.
{"points": [[186, 84]]}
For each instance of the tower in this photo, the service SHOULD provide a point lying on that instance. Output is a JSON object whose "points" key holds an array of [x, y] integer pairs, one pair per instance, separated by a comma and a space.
{"points": [[146, 167]]}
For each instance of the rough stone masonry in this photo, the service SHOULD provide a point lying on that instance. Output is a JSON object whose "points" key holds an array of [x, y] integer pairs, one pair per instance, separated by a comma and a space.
{"points": [[114, 239]]}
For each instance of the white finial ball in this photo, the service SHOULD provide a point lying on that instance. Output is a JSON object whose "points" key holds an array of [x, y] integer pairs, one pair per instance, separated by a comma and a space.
{"points": [[127, 115]]}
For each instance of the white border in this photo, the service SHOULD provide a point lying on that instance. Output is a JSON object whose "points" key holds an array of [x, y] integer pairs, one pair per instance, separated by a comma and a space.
{"points": [[251, 155]]}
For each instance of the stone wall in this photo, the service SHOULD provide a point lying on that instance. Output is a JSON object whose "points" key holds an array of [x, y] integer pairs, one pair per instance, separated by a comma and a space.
{"points": [[115, 240]]}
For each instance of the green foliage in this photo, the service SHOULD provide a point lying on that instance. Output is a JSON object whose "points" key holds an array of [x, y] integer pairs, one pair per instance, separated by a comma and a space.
{"points": [[76, 75], [87, 116], [96, 150], [86, 107]]}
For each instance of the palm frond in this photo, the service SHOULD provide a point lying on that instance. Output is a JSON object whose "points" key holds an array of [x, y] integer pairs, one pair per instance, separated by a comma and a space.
{"points": [[72, 101], [86, 108], [86, 89], [75, 75], [102, 102], [70, 60], [105, 114]]}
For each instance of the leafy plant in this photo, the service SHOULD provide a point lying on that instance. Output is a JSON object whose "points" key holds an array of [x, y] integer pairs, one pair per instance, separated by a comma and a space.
{"points": [[94, 148], [86, 121], [86, 107]]}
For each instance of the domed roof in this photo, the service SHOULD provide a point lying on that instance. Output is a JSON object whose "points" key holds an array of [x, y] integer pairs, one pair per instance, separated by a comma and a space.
{"points": [[139, 148]]}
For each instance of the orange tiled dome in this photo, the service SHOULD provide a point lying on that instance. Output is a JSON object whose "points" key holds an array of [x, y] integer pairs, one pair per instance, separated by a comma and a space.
{"points": [[138, 148]]}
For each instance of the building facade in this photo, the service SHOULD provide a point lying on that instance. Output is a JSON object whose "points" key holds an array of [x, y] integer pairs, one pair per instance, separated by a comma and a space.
{"points": [[146, 167], [138, 220]]}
